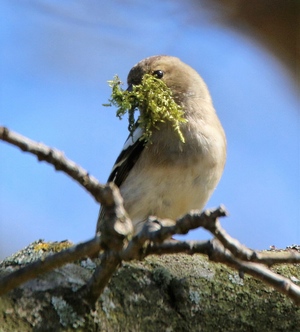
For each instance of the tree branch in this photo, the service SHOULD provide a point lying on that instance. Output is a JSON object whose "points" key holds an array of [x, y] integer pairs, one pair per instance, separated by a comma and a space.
{"points": [[49, 263], [218, 253], [258, 271], [120, 226], [154, 238], [89, 293], [209, 220], [60, 163]]}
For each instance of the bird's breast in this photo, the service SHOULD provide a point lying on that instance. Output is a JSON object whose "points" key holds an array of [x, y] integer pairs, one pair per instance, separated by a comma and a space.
{"points": [[168, 191]]}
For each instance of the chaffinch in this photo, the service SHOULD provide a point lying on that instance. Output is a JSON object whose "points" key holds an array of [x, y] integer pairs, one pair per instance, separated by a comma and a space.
{"points": [[168, 177]]}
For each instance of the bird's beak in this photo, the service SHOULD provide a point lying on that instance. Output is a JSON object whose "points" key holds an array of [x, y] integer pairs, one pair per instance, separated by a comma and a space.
{"points": [[129, 89]]}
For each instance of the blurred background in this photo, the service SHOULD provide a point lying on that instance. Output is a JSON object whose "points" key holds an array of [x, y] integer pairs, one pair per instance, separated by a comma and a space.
{"points": [[55, 60]]}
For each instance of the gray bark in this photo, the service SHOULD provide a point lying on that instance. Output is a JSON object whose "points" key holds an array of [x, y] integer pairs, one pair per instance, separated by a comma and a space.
{"points": [[167, 293]]}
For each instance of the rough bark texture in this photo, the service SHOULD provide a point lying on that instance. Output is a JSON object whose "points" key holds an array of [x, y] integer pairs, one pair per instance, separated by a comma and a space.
{"points": [[167, 293]]}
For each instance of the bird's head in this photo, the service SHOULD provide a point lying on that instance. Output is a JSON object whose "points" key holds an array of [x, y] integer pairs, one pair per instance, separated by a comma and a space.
{"points": [[183, 80]]}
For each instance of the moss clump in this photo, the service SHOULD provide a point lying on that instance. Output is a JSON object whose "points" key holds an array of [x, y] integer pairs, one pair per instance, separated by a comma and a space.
{"points": [[53, 246], [155, 101]]}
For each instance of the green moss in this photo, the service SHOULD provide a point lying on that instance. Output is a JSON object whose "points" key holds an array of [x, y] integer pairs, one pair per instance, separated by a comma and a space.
{"points": [[155, 101], [53, 246]]}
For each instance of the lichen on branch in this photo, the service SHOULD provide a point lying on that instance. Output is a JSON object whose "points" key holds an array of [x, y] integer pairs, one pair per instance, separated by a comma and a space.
{"points": [[154, 100]]}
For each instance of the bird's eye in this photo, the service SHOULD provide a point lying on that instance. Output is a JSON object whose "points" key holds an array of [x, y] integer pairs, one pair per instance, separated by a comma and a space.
{"points": [[158, 73]]}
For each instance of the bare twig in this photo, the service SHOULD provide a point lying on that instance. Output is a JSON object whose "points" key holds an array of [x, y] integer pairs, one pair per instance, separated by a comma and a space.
{"points": [[152, 231], [258, 271], [209, 220], [180, 247], [215, 249], [59, 161], [89, 293], [218, 253], [153, 239], [120, 226]]}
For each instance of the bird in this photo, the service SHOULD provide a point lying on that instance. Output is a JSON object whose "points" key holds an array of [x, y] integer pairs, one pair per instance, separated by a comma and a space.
{"points": [[167, 177]]}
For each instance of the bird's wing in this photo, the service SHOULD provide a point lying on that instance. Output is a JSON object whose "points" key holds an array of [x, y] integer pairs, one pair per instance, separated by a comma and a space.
{"points": [[128, 157], [131, 152]]}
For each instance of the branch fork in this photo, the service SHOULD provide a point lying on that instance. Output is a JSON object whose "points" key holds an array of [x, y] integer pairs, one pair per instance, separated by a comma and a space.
{"points": [[116, 243]]}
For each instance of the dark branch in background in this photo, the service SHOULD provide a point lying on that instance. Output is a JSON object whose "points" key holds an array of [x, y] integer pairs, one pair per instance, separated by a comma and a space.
{"points": [[153, 239]]}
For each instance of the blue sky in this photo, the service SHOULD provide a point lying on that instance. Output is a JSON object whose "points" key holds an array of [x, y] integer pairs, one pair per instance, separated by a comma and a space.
{"points": [[55, 60]]}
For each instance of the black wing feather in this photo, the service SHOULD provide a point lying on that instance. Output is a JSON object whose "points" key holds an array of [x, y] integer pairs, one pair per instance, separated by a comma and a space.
{"points": [[122, 167], [125, 162]]}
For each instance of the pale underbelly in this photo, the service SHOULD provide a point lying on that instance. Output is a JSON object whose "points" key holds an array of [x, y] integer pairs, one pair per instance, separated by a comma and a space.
{"points": [[168, 194]]}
